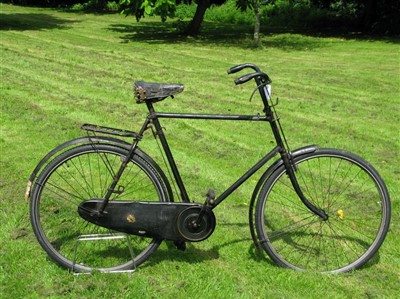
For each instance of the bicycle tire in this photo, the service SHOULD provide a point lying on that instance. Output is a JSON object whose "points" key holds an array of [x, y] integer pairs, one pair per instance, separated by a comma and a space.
{"points": [[79, 174], [348, 189]]}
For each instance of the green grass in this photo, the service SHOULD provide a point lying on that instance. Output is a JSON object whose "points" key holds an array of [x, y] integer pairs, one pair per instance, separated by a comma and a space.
{"points": [[59, 70]]}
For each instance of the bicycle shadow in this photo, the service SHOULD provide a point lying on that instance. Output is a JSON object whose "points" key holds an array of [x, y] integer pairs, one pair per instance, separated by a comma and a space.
{"points": [[195, 255], [258, 254]]}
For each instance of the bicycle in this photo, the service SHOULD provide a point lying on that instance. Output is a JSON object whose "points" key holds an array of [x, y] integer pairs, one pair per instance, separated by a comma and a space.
{"points": [[325, 210]]}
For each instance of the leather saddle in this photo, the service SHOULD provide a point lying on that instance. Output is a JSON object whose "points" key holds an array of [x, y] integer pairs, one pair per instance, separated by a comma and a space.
{"points": [[154, 92]]}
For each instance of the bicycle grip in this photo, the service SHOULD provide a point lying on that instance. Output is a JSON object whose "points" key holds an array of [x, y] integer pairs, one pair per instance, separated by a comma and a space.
{"points": [[240, 67], [245, 78]]}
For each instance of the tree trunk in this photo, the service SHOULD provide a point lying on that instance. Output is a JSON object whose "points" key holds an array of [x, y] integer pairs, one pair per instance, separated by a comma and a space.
{"points": [[194, 26], [256, 5]]}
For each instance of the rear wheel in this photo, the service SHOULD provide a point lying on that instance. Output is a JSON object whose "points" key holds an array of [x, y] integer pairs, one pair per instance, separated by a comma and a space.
{"points": [[84, 173], [348, 189]]}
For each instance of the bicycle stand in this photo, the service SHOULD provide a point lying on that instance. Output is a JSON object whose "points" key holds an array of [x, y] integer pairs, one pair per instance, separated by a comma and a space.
{"points": [[103, 237]]}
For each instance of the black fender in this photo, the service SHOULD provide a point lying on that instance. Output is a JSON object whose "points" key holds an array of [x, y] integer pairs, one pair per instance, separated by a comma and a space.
{"points": [[298, 152], [96, 140]]}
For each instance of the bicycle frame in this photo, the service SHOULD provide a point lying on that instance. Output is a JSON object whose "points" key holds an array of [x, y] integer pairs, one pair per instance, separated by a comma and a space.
{"points": [[153, 119], [262, 80]]}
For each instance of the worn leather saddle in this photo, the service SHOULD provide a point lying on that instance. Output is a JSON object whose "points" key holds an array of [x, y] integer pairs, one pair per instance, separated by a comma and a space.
{"points": [[154, 92]]}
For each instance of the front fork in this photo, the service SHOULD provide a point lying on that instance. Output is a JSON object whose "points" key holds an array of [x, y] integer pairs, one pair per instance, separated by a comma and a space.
{"points": [[290, 171], [285, 155], [277, 130]]}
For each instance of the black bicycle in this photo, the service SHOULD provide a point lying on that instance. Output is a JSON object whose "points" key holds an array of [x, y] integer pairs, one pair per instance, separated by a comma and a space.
{"points": [[316, 209]]}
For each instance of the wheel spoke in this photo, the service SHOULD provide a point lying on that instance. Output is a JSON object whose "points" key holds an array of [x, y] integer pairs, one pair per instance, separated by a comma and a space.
{"points": [[80, 174], [347, 189], [293, 227]]}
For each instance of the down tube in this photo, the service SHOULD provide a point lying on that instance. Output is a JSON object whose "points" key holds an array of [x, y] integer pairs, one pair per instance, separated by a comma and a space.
{"points": [[247, 175]]}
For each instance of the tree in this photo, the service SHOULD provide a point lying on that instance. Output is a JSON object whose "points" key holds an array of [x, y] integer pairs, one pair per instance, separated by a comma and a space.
{"points": [[140, 8], [367, 15], [257, 22], [243, 5], [194, 26], [371, 15], [166, 8]]}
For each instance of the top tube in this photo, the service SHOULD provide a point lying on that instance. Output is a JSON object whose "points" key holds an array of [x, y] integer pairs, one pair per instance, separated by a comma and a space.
{"points": [[257, 117]]}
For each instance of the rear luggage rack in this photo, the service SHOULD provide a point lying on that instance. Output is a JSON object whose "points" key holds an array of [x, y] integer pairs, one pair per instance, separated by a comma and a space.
{"points": [[109, 131]]}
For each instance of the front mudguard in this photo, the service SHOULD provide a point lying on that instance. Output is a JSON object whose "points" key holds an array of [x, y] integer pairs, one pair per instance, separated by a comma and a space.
{"points": [[298, 152], [95, 140]]}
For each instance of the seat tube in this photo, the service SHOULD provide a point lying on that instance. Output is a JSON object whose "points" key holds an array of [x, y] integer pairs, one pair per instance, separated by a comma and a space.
{"points": [[160, 133]]}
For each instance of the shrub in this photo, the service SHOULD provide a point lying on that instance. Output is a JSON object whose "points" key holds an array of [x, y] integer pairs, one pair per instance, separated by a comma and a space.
{"points": [[229, 14], [96, 6], [185, 11]]}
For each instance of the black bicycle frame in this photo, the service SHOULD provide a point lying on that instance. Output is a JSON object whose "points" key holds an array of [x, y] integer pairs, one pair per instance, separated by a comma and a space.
{"points": [[153, 119]]}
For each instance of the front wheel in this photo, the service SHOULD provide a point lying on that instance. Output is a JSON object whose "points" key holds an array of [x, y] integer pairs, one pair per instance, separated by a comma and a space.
{"points": [[348, 189], [84, 173]]}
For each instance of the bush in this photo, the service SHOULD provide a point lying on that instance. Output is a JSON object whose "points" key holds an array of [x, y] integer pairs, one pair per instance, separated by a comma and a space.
{"points": [[229, 14], [185, 11], [280, 14], [226, 13], [295, 15], [96, 6]]}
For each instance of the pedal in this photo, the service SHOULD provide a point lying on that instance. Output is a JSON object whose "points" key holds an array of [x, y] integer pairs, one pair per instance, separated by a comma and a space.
{"points": [[206, 210], [180, 245]]}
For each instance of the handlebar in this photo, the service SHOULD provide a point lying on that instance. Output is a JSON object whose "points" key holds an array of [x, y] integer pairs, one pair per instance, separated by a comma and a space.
{"points": [[240, 67], [262, 80], [243, 79]]}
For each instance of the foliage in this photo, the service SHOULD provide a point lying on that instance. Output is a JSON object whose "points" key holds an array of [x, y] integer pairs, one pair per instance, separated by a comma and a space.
{"points": [[185, 11], [141, 8], [285, 14], [374, 15], [167, 8], [378, 16], [96, 6], [229, 14]]}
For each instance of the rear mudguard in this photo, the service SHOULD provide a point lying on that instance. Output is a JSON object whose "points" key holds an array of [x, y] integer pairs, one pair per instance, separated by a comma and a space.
{"points": [[95, 140], [298, 152]]}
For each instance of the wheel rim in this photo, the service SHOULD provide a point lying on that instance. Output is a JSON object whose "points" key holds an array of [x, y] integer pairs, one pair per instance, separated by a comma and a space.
{"points": [[83, 175], [353, 200]]}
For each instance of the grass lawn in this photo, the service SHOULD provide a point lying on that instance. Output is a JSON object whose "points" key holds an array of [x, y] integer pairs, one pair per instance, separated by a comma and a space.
{"points": [[60, 70]]}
